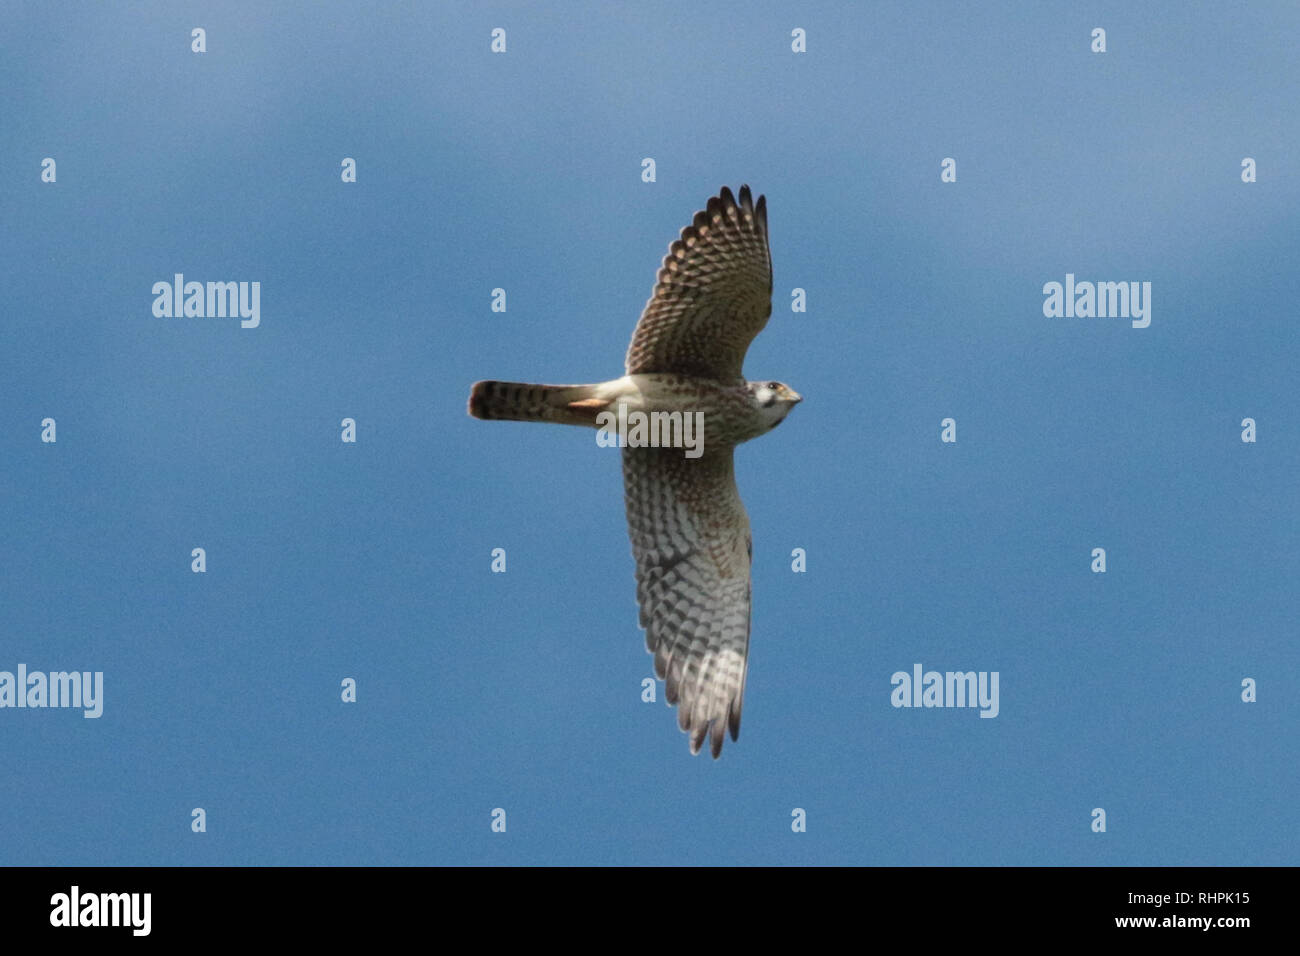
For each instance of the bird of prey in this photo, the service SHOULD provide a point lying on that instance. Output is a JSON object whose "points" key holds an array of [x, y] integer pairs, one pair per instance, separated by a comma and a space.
{"points": [[689, 530]]}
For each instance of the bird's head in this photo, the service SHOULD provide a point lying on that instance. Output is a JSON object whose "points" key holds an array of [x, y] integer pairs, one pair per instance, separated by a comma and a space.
{"points": [[773, 400]]}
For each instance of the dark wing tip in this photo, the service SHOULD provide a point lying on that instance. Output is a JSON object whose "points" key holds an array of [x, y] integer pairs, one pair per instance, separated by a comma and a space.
{"points": [[716, 736], [697, 738], [760, 211]]}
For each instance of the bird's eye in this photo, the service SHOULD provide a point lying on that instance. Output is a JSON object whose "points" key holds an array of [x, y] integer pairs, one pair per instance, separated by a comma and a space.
{"points": [[774, 386]]}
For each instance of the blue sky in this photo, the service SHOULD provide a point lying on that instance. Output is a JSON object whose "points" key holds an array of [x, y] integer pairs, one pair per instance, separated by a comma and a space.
{"points": [[521, 690]]}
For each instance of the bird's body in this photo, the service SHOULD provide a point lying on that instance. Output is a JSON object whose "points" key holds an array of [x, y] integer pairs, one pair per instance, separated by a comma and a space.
{"points": [[688, 527], [732, 414]]}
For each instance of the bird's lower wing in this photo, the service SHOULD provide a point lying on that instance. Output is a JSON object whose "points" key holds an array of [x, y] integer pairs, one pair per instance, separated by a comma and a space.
{"points": [[690, 538]]}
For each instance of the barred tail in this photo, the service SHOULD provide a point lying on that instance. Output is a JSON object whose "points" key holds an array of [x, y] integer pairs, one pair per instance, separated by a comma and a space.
{"points": [[518, 402]]}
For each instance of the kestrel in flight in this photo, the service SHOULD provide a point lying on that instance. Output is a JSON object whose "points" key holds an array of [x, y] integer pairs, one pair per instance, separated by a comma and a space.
{"points": [[690, 534]]}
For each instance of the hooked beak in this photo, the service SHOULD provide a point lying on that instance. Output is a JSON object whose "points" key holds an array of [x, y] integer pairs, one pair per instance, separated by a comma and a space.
{"points": [[795, 397]]}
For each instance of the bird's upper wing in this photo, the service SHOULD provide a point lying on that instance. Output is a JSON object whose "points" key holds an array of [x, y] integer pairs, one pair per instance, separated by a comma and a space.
{"points": [[690, 537], [713, 295]]}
